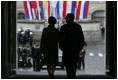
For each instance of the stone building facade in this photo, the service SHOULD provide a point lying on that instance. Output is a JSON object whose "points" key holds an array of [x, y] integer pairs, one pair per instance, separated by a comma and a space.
{"points": [[96, 17], [94, 7]]}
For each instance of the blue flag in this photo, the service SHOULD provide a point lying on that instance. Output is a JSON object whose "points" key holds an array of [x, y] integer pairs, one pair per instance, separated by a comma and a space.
{"points": [[57, 10], [31, 10], [84, 13], [73, 7], [42, 13]]}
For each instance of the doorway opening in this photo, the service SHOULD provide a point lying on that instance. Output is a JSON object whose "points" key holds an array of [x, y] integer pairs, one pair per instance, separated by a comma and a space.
{"points": [[95, 36]]}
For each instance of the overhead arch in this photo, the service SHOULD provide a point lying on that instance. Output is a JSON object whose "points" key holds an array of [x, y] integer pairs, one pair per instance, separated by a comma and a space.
{"points": [[20, 16]]}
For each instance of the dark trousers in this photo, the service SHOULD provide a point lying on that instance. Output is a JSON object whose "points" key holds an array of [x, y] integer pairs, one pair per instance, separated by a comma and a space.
{"points": [[81, 61], [71, 71], [38, 65], [70, 59], [34, 64], [30, 43], [24, 61]]}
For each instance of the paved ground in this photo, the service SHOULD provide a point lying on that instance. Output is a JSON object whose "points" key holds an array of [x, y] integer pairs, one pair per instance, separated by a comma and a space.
{"points": [[94, 62]]}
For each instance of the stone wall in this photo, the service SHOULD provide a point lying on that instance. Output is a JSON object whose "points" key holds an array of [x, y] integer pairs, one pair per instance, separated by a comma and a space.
{"points": [[90, 29], [96, 6]]}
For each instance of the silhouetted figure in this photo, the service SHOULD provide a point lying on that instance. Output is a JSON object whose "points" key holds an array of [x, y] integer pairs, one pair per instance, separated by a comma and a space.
{"points": [[19, 36], [81, 59], [102, 29], [30, 38], [33, 55], [24, 56], [36, 55], [27, 32], [29, 65], [20, 62], [49, 46], [23, 38], [71, 42]]}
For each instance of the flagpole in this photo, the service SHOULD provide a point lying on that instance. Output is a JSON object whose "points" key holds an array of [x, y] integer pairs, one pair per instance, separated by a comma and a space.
{"points": [[44, 23], [58, 24]]}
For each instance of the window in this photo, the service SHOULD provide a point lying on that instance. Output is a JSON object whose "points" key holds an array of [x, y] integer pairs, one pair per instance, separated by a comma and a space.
{"points": [[21, 16], [99, 16]]}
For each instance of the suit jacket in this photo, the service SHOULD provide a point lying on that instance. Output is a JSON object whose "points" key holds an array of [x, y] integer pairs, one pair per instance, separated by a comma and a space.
{"points": [[71, 41], [35, 53], [71, 37]]}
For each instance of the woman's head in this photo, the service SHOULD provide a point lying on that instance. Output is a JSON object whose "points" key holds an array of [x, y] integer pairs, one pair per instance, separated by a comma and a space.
{"points": [[52, 20]]}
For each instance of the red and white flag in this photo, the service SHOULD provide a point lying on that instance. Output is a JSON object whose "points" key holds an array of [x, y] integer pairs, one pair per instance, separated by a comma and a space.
{"points": [[64, 9], [38, 9], [28, 10], [34, 9]]}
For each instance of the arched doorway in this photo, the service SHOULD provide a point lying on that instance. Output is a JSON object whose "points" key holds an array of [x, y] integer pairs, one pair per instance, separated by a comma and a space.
{"points": [[99, 15]]}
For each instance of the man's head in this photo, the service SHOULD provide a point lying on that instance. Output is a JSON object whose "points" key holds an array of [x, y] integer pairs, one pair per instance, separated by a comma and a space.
{"points": [[34, 43], [27, 46], [69, 17], [52, 20], [37, 44]]}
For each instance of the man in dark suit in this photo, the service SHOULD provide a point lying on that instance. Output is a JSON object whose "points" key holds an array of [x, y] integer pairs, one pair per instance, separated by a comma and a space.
{"points": [[71, 42], [36, 55]]}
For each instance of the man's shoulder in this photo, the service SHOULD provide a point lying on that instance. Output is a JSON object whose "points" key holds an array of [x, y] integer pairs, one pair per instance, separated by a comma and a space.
{"points": [[45, 29], [63, 26], [57, 30], [77, 24]]}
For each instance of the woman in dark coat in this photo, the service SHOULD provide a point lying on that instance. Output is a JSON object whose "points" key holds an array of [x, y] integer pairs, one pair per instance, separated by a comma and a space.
{"points": [[49, 46]]}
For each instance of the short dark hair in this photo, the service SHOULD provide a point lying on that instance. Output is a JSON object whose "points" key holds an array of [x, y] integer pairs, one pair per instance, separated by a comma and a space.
{"points": [[70, 17], [52, 20]]}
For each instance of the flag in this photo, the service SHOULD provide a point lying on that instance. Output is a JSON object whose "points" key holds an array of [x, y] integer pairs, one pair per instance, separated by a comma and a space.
{"points": [[34, 9], [57, 8], [48, 9], [69, 7], [53, 5], [38, 10], [78, 6], [42, 13], [28, 10], [45, 5], [84, 9], [77, 3], [73, 7], [45, 8], [61, 9], [64, 9]]}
